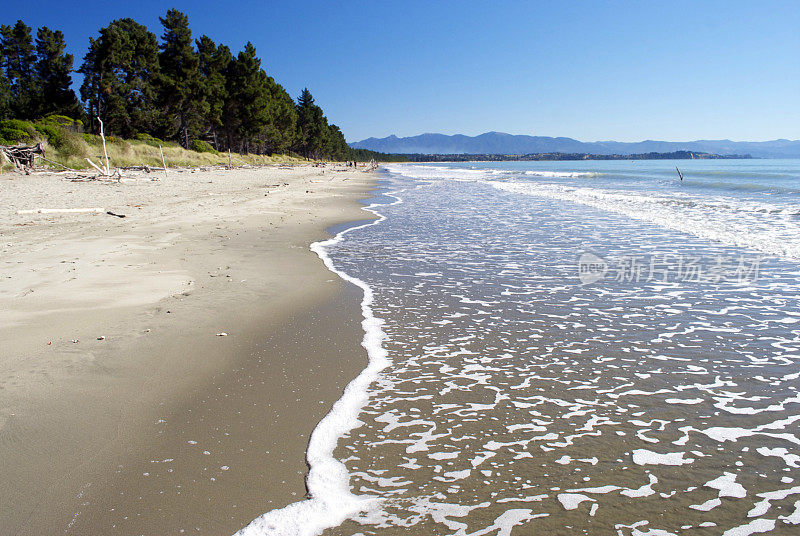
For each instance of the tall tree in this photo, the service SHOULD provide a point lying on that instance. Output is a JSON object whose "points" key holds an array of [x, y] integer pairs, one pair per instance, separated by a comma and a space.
{"points": [[91, 89], [5, 90], [52, 70], [180, 97], [18, 63], [247, 107], [336, 148], [281, 130], [311, 126], [121, 69], [213, 65]]}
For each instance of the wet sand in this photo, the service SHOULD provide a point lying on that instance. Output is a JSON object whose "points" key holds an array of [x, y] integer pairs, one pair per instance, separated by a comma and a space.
{"points": [[151, 423]]}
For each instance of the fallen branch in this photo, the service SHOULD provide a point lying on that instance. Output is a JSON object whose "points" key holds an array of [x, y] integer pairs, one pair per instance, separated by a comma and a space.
{"points": [[96, 210], [56, 163], [95, 166]]}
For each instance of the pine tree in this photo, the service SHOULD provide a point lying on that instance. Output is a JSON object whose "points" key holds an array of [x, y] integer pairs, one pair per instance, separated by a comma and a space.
{"points": [[180, 97], [337, 148], [91, 88], [247, 107], [281, 131], [18, 62], [52, 70], [311, 126], [121, 70], [213, 65], [5, 90]]}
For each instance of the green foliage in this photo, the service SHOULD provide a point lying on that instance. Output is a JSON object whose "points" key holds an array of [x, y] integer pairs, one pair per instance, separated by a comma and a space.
{"points": [[214, 62], [19, 57], [180, 96], [201, 146], [53, 77], [62, 121], [176, 88], [61, 134], [247, 108], [13, 131], [120, 72], [150, 140]]}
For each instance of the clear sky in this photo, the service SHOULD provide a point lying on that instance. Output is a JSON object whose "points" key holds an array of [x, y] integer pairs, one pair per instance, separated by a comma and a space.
{"points": [[590, 70]]}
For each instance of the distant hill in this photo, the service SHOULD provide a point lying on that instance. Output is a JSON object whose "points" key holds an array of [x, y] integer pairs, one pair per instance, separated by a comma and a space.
{"points": [[502, 143]]}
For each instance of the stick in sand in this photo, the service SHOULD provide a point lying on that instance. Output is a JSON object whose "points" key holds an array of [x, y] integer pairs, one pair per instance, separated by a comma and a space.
{"points": [[163, 161], [105, 152], [679, 172]]}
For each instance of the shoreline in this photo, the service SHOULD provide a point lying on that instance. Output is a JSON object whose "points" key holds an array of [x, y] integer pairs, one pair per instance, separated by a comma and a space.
{"points": [[151, 421]]}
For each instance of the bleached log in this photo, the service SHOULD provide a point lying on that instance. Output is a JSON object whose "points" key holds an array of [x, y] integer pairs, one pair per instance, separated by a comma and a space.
{"points": [[97, 210]]}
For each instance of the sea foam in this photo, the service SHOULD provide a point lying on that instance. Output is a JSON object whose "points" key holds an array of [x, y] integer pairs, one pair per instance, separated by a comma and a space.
{"points": [[330, 500]]}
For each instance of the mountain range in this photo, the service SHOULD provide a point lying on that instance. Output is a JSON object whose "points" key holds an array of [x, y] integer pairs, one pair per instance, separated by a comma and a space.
{"points": [[502, 143]]}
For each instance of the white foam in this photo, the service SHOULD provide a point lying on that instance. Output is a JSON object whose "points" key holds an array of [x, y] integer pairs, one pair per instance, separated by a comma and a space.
{"points": [[331, 501], [571, 501], [642, 491], [754, 527], [563, 174], [706, 506], [648, 457], [727, 486], [507, 521]]}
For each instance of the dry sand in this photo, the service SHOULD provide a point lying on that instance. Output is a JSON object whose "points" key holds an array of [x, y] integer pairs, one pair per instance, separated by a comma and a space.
{"points": [[121, 409]]}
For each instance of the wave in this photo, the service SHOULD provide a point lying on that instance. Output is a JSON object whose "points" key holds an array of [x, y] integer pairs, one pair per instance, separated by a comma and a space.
{"points": [[415, 171], [767, 228], [330, 500], [741, 186], [563, 174]]}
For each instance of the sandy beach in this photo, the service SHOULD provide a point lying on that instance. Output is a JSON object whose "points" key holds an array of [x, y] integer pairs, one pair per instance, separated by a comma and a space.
{"points": [[161, 373]]}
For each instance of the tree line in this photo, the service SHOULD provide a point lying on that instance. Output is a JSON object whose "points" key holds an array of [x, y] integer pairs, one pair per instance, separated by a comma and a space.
{"points": [[193, 91]]}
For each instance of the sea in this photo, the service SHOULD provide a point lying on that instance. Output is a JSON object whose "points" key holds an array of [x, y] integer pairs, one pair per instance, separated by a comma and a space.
{"points": [[562, 348]]}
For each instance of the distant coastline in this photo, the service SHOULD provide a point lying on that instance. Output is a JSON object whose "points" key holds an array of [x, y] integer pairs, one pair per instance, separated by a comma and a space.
{"points": [[500, 143], [675, 155]]}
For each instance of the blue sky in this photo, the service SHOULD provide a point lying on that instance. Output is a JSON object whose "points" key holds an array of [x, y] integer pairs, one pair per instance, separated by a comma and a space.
{"points": [[590, 70]]}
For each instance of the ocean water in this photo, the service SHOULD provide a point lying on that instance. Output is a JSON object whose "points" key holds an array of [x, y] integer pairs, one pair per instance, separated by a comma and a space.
{"points": [[568, 348]]}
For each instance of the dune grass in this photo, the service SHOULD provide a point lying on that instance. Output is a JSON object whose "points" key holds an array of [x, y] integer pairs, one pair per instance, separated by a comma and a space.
{"points": [[65, 144]]}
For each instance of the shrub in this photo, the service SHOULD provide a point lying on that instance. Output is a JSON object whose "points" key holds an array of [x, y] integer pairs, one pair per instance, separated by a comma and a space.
{"points": [[14, 131], [152, 141], [62, 121], [60, 136], [201, 146]]}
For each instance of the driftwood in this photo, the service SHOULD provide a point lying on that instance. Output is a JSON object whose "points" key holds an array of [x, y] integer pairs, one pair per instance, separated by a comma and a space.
{"points": [[106, 170], [96, 210], [164, 162], [22, 156], [143, 167]]}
